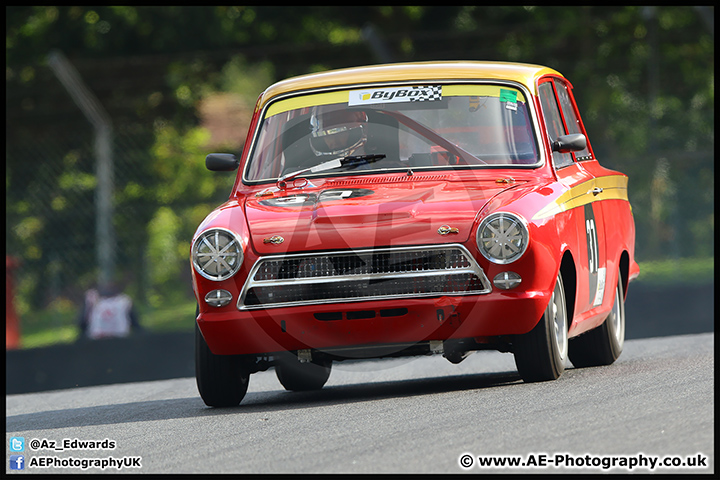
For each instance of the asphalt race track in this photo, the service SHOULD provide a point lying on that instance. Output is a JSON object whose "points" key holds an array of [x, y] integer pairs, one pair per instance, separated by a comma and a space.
{"points": [[419, 415]]}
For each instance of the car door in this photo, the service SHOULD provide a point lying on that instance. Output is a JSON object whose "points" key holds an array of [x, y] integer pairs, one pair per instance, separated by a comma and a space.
{"points": [[583, 207]]}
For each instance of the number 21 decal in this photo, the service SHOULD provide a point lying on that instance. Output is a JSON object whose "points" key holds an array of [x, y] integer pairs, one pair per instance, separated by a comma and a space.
{"points": [[591, 231], [596, 282]]}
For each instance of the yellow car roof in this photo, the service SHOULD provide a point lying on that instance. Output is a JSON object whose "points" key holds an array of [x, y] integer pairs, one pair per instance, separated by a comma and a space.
{"points": [[525, 74]]}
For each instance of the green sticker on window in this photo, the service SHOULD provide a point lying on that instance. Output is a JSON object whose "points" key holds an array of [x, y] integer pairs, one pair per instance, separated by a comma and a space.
{"points": [[508, 95]]}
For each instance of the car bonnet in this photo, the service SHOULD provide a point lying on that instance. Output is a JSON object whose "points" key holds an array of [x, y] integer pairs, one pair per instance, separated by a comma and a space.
{"points": [[391, 210]]}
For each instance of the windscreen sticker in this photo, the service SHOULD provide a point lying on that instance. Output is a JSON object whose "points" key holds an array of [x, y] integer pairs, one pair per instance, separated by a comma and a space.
{"points": [[428, 93], [510, 97]]}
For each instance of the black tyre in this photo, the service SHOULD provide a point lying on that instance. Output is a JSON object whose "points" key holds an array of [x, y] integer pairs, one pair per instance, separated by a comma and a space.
{"points": [[540, 354], [602, 345], [298, 377], [222, 380]]}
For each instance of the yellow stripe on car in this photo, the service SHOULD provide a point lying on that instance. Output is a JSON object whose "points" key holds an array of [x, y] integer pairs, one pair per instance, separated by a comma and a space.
{"points": [[611, 187], [328, 98], [306, 101], [418, 73]]}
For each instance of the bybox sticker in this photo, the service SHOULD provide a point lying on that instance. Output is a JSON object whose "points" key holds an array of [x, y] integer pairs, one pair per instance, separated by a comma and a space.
{"points": [[429, 93]]}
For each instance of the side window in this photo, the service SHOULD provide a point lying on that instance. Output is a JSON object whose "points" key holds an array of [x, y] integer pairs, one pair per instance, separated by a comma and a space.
{"points": [[571, 119], [553, 122]]}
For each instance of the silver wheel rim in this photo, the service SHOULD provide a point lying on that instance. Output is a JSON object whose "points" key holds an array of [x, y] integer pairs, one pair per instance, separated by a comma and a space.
{"points": [[618, 317], [559, 319]]}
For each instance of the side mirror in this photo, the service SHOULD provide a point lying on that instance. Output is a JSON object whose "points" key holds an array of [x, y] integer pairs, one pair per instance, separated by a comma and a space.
{"points": [[569, 143], [221, 162]]}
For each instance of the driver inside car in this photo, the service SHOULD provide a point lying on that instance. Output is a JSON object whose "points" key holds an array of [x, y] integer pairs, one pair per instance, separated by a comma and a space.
{"points": [[338, 133]]}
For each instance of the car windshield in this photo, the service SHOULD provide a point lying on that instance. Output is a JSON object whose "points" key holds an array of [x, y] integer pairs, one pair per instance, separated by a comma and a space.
{"points": [[399, 128]]}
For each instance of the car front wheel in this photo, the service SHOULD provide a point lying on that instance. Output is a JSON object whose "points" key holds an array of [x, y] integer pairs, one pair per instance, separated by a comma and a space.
{"points": [[603, 344], [222, 380], [298, 377], [540, 354]]}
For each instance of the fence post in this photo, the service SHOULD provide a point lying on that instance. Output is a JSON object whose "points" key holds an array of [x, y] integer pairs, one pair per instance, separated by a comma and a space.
{"points": [[96, 114]]}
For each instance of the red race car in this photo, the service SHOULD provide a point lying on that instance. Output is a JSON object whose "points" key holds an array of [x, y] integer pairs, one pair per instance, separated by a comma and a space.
{"points": [[412, 209]]}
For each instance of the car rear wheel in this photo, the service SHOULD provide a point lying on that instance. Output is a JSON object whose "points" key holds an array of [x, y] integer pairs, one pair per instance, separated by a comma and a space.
{"points": [[603, 344], [540, 354], [222, 380], [298, 377]]}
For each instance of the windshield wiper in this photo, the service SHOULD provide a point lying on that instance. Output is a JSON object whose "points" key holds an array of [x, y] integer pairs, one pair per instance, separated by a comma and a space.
{"points": [[351, 161]]}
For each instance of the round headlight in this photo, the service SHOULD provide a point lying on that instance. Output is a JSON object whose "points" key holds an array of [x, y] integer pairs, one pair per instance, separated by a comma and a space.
{"points": [[502, 237], [217, 254]]}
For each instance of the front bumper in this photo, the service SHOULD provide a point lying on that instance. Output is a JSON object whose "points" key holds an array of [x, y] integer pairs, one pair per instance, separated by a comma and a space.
{"points": [[376, 322]]}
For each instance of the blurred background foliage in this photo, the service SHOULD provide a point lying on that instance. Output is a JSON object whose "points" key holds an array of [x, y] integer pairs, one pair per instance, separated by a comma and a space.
{"points": [[180, 82]]}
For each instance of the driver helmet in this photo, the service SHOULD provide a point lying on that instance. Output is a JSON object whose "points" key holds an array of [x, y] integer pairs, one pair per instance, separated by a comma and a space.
{"points": [[337, 132]]}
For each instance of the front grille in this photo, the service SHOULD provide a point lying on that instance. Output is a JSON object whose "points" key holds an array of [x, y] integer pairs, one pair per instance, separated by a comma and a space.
{"points": [[331, 277]]}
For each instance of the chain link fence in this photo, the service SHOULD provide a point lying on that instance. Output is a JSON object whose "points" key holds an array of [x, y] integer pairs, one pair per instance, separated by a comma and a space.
{"points": [[51, 221]]}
